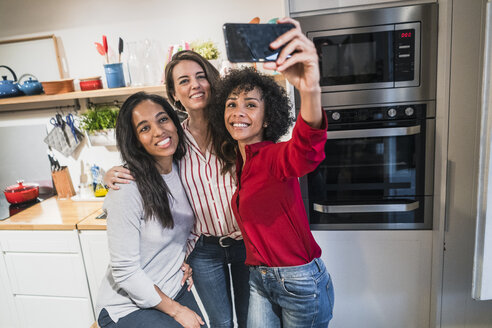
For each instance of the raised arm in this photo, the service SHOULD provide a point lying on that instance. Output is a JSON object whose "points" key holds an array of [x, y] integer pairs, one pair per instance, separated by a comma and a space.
{"points": [[301, 69]]}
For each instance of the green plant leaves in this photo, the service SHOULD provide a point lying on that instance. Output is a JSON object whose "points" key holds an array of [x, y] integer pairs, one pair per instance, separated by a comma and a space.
{"points": [[100, 117]]}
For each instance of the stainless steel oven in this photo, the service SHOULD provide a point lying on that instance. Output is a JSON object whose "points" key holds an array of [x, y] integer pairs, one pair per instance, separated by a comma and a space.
{"points": [[374, 56], [378, 169], [378, 80]]}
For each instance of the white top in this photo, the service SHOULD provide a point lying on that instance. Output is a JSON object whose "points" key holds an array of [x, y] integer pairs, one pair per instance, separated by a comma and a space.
{"points": [[209, 192], [142, 252]]}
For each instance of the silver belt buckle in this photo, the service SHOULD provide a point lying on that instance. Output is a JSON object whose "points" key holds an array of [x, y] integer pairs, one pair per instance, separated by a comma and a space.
{"points": [[220, 241]]}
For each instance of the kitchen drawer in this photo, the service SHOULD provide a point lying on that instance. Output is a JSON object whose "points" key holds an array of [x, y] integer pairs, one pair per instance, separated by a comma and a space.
{"points": [[40, 241], [47, 274], [54, 312]]}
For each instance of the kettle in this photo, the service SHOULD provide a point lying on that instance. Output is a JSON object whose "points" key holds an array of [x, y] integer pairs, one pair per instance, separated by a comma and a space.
{"points": [[30, 87], [9, 88]]}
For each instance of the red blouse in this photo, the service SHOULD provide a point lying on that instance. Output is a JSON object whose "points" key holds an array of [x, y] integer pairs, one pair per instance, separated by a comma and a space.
{"points": [[267, 203]]}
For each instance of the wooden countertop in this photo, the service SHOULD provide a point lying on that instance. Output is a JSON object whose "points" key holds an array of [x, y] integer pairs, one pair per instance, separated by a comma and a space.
{"points": [[91, 223], [51, 214]]}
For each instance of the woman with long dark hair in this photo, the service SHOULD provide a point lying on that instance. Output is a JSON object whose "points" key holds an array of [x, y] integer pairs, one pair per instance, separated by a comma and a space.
{"points": [[217, 242], [149, 222], [290, 286]]}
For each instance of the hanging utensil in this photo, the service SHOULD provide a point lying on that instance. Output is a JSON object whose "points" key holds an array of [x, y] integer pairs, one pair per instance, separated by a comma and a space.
{"points": [[120, 49], [70, 123], [58, 122]]}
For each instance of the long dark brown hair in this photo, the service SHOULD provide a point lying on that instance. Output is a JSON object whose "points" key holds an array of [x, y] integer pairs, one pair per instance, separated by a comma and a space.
{"points": [[211, 73], [153, 189]]}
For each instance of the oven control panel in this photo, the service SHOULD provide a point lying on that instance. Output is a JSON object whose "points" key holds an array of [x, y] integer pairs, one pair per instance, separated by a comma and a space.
{"points": [[376, 114]]}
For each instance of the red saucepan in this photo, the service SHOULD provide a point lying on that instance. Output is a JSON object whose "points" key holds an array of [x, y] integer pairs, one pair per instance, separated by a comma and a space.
{"points": [[21, 192]]}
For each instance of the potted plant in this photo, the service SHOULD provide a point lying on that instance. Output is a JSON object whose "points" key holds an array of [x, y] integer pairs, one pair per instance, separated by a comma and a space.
{"points": [[207, 50], [99, 122]]}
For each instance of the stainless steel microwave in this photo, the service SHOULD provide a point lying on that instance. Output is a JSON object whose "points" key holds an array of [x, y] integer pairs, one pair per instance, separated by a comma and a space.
{"points": [[375, 56]]}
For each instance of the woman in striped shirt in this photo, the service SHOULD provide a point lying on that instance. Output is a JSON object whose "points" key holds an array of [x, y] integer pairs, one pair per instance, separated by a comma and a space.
{"points": [[217, 244]]}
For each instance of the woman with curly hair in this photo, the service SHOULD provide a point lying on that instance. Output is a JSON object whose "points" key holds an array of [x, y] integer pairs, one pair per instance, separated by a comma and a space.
{"points": [[289, 284]]}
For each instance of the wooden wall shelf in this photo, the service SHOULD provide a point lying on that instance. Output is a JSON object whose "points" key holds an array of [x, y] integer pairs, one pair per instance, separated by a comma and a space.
{"points": [[7, 103]]}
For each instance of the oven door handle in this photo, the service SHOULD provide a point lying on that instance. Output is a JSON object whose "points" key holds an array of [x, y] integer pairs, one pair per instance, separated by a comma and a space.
{"points": [[372, 133], [366, 208]]}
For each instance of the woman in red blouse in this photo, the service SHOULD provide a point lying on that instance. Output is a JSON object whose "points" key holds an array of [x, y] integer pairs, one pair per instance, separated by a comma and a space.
{"points": [[289, 284]]}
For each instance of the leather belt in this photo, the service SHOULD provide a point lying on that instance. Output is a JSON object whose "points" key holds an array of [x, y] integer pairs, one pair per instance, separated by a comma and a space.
{"points": [[223, 241]]}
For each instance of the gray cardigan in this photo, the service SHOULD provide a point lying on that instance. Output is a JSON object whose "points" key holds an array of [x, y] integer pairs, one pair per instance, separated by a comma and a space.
{"points": [[143, 253]]}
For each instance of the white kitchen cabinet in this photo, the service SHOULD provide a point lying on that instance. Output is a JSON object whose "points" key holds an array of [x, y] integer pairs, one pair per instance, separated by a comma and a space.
{"points": [[381, 279], [45, 277], [8, 312], [51, 312], [96, 256]]}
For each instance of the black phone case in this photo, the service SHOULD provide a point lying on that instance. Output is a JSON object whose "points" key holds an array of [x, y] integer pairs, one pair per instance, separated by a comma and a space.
{"points": [[251, 42]]}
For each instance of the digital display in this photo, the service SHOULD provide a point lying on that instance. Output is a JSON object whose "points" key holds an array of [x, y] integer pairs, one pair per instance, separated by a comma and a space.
{"points": [[406, 35]]}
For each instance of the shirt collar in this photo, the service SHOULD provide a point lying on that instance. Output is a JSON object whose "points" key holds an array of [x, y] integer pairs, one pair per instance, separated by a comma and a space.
{"points": [[254, 148]]}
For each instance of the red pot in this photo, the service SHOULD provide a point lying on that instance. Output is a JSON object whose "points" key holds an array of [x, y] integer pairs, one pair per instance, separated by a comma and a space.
{"points": [[21, 193], [91, 83]]}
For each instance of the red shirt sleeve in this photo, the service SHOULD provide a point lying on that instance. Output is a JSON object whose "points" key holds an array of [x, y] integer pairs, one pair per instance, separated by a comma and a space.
{"points": [[302, 153]]}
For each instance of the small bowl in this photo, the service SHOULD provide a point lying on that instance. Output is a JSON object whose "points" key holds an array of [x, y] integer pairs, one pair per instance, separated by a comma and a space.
{"points": [[56, 87], [90, 83]]}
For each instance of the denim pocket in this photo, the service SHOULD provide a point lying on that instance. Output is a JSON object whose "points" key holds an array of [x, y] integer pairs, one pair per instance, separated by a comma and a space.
{"points": [[304, 287], [104, 320]]}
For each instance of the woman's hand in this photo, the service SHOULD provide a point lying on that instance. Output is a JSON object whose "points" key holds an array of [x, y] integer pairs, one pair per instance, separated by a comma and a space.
{"points": [[188, 272], [298, 62], [188, 318], [301, 69], [117, 174]]}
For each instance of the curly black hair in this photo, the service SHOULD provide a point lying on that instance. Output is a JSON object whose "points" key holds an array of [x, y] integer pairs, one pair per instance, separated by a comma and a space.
{"points": [[277, 111]]}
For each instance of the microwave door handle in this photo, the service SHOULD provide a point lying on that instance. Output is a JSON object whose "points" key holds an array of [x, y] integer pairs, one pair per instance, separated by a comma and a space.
{"points": [[372, 133], [366, 208]]}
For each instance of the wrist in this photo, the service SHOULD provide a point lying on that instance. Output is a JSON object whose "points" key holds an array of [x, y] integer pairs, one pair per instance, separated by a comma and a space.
{"points": [[310, 91], [176, 309]]}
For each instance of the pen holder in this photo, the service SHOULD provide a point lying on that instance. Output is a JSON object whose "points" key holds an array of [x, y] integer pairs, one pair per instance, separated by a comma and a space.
{"points": [[63, 183], [114, 75]]}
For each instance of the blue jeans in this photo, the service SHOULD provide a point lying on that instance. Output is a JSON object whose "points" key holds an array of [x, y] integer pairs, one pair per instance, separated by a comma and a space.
{"points": [[211, 277], [299, 296], [151, 318]]}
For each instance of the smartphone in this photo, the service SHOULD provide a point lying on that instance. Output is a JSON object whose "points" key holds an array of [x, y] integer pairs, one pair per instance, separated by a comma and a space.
{"points": [[251, 42]]}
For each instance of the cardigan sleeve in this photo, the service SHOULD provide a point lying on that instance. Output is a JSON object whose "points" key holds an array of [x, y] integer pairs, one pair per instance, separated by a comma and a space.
{"points": [[302, 153], [125, 212]]}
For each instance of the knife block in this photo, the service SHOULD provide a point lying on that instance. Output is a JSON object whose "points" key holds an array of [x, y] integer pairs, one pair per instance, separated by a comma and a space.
{"points": [[63, 183]]}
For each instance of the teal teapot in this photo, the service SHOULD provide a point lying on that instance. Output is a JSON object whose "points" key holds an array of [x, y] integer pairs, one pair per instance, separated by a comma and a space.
{"points": [[9, 88], [30, 87]]}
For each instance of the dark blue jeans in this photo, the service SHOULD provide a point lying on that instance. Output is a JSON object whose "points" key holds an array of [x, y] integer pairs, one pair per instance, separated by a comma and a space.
{"points": [[151, 318], [291, 297], [211, 276]]}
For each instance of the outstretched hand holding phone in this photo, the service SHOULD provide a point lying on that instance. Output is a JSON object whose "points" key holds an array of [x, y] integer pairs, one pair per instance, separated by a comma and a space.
{"points": [[298, 62]]}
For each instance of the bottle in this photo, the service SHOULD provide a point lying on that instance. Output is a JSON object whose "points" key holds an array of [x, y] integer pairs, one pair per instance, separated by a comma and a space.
{"points": [[135, 64]]}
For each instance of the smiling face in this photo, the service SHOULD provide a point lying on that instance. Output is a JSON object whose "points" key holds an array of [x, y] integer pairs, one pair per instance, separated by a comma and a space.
{"points": [[191, 87], [156, 133], [244, 116]]}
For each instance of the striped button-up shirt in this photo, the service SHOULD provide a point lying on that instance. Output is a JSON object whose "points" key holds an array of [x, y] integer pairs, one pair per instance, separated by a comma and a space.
{"points": [[208, 191]]}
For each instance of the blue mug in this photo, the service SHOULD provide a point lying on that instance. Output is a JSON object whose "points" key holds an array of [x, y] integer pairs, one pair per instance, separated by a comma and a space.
{"points": [[114, 75]]}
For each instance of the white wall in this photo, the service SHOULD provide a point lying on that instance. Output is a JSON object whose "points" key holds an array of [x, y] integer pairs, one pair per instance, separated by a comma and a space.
{"points": [[81, 23], [78, 24]]}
